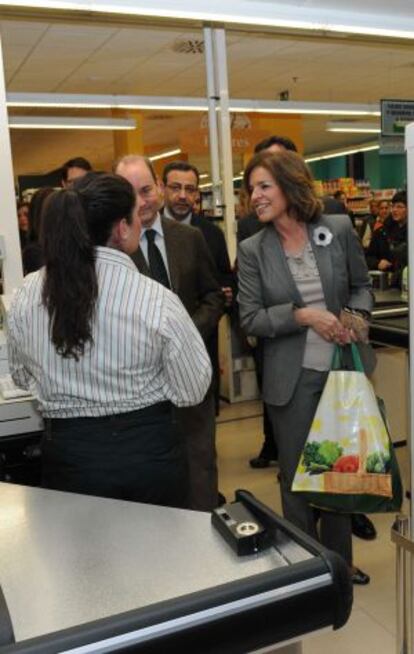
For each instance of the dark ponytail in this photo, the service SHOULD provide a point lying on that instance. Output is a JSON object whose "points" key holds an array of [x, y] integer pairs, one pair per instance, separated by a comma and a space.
{"points": [[74, 222]]}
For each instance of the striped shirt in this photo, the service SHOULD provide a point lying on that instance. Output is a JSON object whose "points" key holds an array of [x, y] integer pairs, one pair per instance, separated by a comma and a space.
{"points": [[145, 347]]}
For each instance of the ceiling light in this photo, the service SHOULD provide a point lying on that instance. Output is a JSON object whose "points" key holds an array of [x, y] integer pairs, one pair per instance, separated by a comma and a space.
{"points": [[207, 185], [173, 103], [66, 122], [315, 108], [203, 175], [298, 19], [349, 126], [339, 153], [164, 155], [85, 101]]}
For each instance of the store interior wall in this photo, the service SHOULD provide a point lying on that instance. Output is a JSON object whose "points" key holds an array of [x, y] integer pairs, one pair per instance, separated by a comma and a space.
{"points": [[383, 171]]}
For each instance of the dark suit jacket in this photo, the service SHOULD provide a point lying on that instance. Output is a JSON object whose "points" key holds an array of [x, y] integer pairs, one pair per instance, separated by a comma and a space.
{"points": [[216, 244], [248, 226], [268, 297], [192, 273]]}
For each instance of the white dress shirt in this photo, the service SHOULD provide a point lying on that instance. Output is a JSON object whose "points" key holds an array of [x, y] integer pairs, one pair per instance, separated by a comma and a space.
{"points": [[159, 242], [145, 347]]}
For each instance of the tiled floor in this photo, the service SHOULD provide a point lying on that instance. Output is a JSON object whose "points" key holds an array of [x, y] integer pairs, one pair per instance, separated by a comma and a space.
{"points": [[372, 624]]}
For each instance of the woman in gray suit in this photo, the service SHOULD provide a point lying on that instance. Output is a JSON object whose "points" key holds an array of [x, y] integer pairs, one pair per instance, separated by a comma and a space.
{"points": [[295, 276]]}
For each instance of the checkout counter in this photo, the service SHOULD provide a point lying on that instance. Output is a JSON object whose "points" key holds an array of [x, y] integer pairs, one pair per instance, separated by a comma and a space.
{"points": [[20, 431], [84, 574], [389, 333]]}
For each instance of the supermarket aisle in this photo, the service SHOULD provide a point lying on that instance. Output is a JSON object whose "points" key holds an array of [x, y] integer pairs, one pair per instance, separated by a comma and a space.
{"points": [[372, 624]]}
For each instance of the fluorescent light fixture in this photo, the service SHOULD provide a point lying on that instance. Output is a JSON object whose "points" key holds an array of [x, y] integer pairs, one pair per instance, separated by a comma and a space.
{"points": [[339, 153], [353, 127], [85, 101], [298, 19], [204, 175], [164, 155], [210, 184], [296, 107], [165, 103], [68, 122]]}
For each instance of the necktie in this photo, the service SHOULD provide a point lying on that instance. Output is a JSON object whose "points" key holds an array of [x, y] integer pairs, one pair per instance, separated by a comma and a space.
{"points": [[155, 260]]}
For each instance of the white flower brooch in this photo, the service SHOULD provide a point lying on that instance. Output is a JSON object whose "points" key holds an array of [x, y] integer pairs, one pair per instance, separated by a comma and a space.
{"points": [[322, 236]]}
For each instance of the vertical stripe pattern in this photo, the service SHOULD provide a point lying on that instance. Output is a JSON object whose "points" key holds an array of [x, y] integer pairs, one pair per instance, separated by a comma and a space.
{"points": [[145, 347]]}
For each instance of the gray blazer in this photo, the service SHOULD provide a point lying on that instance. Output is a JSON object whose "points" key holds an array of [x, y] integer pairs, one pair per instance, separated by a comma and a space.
{"points": [[268, 297]]}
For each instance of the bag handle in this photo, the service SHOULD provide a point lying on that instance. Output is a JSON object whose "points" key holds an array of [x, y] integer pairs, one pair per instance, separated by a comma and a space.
{"points": [[338, 358]]}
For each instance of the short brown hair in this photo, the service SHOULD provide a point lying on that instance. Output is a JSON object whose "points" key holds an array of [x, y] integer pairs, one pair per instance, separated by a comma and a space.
{"points": [[295, 180]]}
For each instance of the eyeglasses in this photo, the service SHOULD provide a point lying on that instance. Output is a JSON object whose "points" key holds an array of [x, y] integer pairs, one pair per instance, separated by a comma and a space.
{"points": [[187, 188]]}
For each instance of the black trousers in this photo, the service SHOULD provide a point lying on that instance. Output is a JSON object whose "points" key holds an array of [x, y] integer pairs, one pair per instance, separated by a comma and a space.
{"points": [[133, 456], [269, 447]]}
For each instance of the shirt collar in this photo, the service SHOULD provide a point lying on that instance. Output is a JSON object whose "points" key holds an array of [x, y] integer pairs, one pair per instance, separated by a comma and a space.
{"points": [[185, 221], [103, 253], [156, 226]]}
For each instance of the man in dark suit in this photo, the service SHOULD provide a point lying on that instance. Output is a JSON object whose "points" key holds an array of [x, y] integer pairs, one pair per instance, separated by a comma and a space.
{"points": [[177, 256], [73, 169], [180, 180]]}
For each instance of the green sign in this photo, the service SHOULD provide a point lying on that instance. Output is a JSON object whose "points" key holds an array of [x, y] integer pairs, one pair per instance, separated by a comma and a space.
{"points": [[395, 115]]}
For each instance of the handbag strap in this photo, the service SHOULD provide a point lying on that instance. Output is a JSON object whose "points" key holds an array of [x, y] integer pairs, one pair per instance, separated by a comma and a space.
{"points": [[338, 358]]}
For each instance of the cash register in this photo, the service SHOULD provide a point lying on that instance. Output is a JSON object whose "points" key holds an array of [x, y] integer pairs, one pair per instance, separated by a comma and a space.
{"points": [[21, 424]]}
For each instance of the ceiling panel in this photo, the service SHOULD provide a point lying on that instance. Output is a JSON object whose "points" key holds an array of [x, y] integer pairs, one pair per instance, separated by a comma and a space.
{"points": [[127, 60]]}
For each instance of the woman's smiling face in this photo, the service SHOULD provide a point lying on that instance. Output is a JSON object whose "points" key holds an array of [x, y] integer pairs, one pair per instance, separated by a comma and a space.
{"points": [[267, 198]]}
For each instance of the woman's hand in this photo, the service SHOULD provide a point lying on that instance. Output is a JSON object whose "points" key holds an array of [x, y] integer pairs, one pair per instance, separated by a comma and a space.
{"points": [[326, 324], [384, 264]]}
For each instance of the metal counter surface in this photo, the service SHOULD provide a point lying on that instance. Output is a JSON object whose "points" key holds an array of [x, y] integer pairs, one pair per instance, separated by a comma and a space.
{"points": [[389, 297], [390, 331], [67, 559]]}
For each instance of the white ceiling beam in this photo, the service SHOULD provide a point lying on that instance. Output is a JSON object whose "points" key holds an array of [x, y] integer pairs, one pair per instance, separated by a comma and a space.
{"points": [[83, 101]]}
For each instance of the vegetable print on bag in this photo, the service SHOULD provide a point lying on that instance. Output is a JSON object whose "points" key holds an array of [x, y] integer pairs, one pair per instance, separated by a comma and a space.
{"points": [[348, 447]]}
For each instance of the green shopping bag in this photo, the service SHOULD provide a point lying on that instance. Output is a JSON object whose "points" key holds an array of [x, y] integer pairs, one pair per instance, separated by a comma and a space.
{"points": [[348, 463]]}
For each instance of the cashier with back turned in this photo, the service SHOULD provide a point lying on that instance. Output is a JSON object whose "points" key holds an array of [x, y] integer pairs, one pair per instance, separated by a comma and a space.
{"points": [[106, 351]]}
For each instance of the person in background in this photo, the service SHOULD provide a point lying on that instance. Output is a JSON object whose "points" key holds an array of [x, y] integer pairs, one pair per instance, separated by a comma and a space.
{"points": [[290, 296], [106, 351], [23, 222], [177, 256], [180, 185], [73, 169], [197, 207], [383, 215], [333, 205], [340, 196], [32, 253], [374, 221], [388, 248], [373, 210], [248, 226]]}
